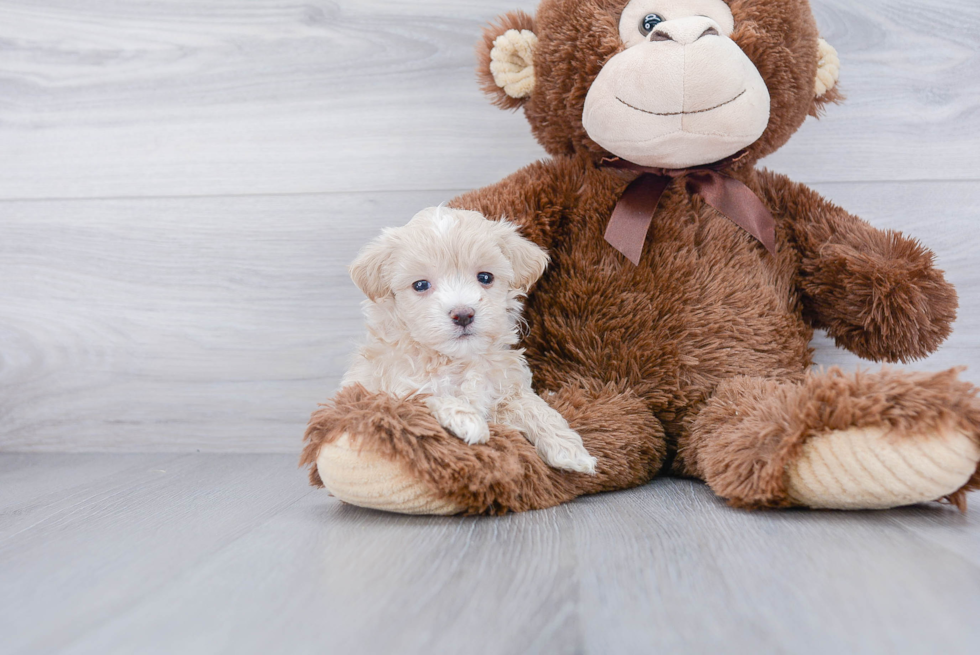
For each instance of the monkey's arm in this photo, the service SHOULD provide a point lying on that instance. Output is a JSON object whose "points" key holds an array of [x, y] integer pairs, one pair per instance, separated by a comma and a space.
{"points": [[533, 198], [876, 292]]}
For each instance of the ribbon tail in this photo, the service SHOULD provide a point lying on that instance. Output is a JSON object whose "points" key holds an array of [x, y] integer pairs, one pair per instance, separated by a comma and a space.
{"points": [[630, 221], [738, 203]]}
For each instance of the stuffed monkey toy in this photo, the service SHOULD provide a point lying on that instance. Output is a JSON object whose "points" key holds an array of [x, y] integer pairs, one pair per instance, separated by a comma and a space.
{"points": [[672, 328]]}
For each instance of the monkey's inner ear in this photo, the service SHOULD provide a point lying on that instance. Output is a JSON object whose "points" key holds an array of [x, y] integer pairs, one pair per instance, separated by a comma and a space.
{"points": [[512, 62], [828, 68], [506, 55]]}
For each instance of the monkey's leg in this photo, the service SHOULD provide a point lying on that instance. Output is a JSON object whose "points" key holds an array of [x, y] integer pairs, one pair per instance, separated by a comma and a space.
{"points": [[377, 451], [865, 441]]}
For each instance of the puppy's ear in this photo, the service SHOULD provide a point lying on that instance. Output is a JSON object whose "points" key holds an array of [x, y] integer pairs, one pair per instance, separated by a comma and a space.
{"points": [[368, 270], [525, 257]]}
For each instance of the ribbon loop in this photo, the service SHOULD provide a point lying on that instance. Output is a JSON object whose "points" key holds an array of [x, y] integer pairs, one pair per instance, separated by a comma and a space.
{"points": [[633, 214]]}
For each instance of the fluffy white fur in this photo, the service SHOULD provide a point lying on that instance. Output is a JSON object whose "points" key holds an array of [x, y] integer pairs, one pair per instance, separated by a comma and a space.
{"points": [[472, 373]]}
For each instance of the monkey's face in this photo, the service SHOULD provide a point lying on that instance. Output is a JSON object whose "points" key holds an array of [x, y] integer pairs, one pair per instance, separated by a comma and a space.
{"points": [[681, 93], [663, 83]]}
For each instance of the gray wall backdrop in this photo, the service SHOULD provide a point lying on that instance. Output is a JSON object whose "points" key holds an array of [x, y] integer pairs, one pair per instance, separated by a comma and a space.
{"points": [[183, 183]]}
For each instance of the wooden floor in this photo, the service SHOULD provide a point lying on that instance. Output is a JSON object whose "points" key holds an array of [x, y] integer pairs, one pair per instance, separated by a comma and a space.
{"points": [[182, 185], [233, 553]]}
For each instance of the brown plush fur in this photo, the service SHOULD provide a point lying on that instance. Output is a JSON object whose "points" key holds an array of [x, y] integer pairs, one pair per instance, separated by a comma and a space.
{"points": [[898, 307], [702, 351], [505, 474], [752, 428]]}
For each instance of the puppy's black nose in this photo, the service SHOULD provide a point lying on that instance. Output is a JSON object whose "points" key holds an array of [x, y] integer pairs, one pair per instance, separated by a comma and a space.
{"points": [[462, 316]]}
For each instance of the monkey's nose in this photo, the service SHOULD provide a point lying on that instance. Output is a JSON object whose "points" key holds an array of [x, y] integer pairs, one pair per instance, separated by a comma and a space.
{"points": [[685, 31], [462, 316]]}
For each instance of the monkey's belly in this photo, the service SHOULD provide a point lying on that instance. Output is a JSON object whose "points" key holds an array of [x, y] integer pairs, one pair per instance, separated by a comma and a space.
{"points": [[688, 317]]}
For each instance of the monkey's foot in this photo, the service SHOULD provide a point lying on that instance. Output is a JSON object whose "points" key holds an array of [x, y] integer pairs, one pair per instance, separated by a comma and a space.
{"points": [[872, 468], [366, 479]]}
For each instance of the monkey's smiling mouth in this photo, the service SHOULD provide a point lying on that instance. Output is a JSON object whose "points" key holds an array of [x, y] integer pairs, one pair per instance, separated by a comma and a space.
{"points": [[683, 113]]}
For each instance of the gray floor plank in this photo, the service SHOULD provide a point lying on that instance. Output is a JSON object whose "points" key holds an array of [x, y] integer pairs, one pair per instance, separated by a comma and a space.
{"points": [[70, 565], [24, 482], [161, 97], [231, 554], [323, 577], [960, 535], [671, 566], [219, 323]]}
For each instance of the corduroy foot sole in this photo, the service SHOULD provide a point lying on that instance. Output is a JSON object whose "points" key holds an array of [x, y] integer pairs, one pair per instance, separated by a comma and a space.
{"points": [[365, 479], [873, 469]]}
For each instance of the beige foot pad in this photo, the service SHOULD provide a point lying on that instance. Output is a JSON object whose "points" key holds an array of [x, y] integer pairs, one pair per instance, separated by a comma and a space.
{"points": [[366, 479], [871, 469]]}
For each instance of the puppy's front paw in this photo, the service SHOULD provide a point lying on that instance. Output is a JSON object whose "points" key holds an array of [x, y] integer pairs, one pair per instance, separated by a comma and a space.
{"points": [[468, 426], [564, 450], [460, 418]]}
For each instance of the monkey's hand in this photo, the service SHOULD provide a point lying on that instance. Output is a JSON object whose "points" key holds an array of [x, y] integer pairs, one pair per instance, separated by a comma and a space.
{"points": [[882, 300]]}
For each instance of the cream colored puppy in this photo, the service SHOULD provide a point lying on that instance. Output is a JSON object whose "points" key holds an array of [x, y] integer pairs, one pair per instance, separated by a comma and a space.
{"points": [[442, 313]]}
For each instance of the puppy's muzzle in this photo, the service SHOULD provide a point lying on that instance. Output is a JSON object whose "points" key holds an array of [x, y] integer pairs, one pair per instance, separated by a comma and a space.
{"points": [[462, 316]]}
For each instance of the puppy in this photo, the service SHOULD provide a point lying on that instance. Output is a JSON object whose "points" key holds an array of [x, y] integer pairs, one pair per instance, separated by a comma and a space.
{"points": [[442, 313]]}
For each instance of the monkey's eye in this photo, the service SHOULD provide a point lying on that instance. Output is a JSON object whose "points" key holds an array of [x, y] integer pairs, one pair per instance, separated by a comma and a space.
{"points": [[421, 286], [484, 278], [649, 22]]}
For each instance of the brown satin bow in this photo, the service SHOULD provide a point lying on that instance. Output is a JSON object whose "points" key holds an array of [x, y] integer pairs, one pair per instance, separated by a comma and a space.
{"points": [[631, 219]]}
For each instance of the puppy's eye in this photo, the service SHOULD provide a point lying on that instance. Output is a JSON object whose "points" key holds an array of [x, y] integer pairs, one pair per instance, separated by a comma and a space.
{"points": [[649, 22], [484, 278], [421, 285]]}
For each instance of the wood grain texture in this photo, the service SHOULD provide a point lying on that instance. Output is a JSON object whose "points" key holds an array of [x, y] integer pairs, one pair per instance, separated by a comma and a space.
{"points": [[232, 553], [788, 582], [217, 324], [174, 318], [169, 98], [193, 179], [92, 549], [179, 324], [28, 488]]}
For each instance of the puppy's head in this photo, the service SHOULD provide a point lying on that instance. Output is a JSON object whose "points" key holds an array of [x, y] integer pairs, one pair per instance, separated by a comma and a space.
{"points": [[451, 279]]}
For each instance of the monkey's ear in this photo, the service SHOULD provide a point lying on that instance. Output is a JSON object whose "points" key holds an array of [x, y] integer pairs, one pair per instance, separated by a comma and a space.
{"points": [[369, 270], [828, 73], [525, 257], [506, 59]]}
